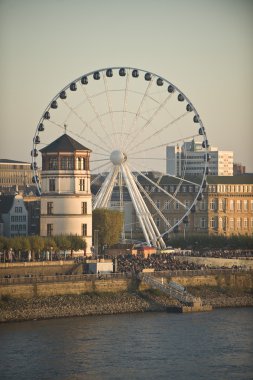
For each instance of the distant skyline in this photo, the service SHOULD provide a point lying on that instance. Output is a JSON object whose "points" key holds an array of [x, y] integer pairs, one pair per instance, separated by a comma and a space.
{"points": [[204, 47]]}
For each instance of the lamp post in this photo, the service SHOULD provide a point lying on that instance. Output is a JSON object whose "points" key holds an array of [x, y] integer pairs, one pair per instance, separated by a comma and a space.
{"points": [[96, 242]]}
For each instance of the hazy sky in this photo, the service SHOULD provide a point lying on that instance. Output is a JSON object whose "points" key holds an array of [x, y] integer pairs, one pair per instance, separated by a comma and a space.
{"points": [[204, 47]]}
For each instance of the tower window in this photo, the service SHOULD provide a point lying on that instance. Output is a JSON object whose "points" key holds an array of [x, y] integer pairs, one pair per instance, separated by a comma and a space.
{"points": [[53, 163], [84, 208], [84, 229], [51, 184], [49, 208], [67, 163], [81, 185], [49, 230]]}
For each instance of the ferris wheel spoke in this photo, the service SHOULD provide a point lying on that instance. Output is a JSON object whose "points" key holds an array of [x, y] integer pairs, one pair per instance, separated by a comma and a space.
{"points": [[86, 126], [96, 178], [109, 103], [81, 137], [159, 212], [157, 132], [155, 184], [164, 144], [133, 124], [161, 105], [98, 117], [101, 166], [123, 120]]}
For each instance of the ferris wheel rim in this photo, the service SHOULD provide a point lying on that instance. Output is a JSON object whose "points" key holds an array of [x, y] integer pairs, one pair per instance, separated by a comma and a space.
{"points": [[156, 76]]}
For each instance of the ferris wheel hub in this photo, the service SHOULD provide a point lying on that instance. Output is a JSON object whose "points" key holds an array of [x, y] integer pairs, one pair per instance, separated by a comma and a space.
{"points": [[117, 157]]}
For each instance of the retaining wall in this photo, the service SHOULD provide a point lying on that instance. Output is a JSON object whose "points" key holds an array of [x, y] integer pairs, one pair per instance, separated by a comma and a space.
{"points": [[237, 280]]}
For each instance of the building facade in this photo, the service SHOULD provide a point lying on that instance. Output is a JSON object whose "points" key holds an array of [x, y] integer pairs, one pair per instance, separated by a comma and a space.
{"points": [[14, 173], [226, 207], [66, 206], [13, 215], [189, 159]]}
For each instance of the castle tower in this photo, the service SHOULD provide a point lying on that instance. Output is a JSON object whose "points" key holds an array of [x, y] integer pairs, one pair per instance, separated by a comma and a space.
{"points": [[66, 206]]}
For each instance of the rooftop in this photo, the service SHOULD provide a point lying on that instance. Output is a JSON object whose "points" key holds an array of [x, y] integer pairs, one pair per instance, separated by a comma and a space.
{"points": [[14, 162], [64, 143]]}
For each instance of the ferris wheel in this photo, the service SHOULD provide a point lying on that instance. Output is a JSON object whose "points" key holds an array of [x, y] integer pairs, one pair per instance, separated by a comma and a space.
{"points": [[128, 117]]}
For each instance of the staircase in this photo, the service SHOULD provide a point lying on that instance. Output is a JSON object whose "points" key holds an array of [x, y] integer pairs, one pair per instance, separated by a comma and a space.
{"points": [[176, 291]]}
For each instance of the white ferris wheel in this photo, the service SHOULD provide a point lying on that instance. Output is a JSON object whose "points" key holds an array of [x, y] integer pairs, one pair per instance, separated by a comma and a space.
{"points": [[127, 117]]}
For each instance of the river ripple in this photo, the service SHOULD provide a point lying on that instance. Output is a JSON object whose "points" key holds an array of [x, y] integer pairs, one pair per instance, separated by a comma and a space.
{"points": [[215, 345]]}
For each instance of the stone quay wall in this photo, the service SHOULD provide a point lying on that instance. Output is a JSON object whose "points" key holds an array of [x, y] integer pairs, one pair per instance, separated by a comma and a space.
{"points": [[57, 285]]}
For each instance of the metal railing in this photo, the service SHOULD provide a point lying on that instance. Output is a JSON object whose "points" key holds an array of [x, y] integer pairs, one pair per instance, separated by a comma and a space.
{"points": [[31, 279], [181, 295], [60, 278]]}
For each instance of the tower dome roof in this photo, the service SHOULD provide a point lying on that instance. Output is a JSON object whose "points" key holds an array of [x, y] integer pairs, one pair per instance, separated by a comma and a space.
{"points": [[64, 143]]}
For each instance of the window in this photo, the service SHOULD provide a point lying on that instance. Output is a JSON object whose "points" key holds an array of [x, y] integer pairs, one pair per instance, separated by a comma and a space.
{"points": [[53, 163], [202, 205], [49, 208], [166, 205], [231, 223], [51, 184], [81, 184], [49, 229], [190, 189], [157, 203], [245, 205], [239, 205], [245, 223], [67, 163], [202, 222], [231, 205], [239, 223], [176, 206], [251, 205], [84, 230], [212, 223], [213, 204], [84, 208], [187, 203]]}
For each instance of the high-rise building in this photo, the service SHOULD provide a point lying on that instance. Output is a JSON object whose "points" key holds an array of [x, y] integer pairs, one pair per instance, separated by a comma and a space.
{"points": [[189, 159]]}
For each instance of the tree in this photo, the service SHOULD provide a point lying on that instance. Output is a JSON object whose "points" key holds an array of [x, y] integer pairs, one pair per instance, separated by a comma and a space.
{"points": [[76, 243], [37, 245], [109, 224], [4, 246]]}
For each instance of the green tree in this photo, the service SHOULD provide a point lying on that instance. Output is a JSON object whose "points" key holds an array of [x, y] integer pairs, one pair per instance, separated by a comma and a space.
{"points": [[109, 224], [37, 245], [63, 243], [4, 246], [76, 243]]}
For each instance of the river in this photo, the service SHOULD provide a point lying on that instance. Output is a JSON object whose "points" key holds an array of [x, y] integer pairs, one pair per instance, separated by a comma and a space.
{"points": [[215, 345]]}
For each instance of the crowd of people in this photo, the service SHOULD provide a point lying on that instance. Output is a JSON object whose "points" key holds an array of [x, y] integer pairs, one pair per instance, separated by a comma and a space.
{"points": [[158, 262], [222, 253]]}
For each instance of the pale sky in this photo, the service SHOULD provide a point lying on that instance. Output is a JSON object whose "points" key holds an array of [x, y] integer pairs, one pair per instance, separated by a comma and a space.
{"points": [[204, 47]]}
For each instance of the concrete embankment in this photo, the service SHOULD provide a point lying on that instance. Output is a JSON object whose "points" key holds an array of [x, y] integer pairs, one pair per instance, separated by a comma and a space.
{"points": [[20, 309]]}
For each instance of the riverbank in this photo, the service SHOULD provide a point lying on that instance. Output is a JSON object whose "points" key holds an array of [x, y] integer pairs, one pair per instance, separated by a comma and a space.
{"points": [[23, 309]]}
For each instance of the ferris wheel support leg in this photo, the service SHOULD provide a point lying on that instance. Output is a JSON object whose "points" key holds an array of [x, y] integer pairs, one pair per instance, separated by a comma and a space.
{"points": [[139, 204], [136, 207], [106, 189], [108, 194]]}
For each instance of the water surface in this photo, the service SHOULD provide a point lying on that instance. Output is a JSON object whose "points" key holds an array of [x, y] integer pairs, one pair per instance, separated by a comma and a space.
{"points": [[215, 345]]}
